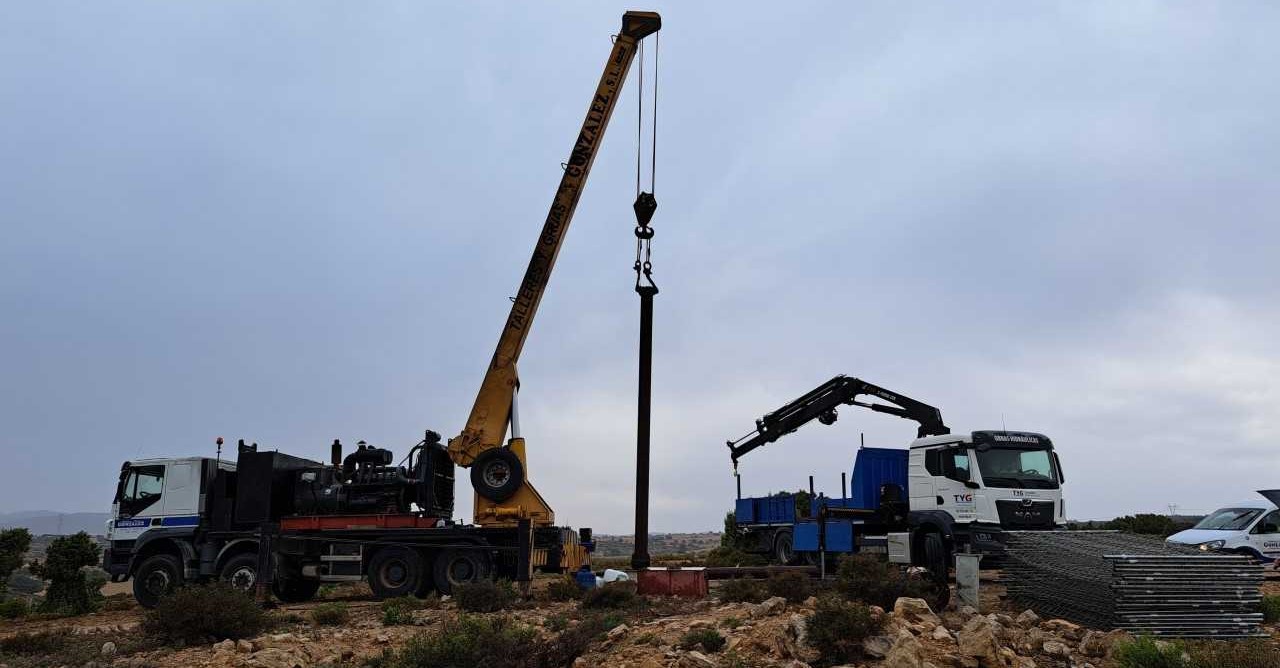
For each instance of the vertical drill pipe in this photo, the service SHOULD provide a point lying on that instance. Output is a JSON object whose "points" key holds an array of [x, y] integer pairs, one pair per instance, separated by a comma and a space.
{"points": [[640, 557]]}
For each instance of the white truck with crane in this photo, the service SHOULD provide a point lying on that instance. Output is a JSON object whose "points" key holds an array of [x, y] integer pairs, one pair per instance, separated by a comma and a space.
{"points": [[273, 522], [944, 493]]}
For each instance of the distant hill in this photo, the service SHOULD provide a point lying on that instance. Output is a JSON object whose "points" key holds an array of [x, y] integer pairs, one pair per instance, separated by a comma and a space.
{"points": [[40, 522]]}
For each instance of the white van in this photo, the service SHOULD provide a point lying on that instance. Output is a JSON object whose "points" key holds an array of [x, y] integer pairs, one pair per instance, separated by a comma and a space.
{"points": [[1249, 527]]}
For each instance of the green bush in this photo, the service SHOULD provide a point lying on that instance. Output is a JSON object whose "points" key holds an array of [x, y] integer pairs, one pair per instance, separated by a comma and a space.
{"points": [[564, 589], [205, 613], [709, 640], [741, 590], [875, 581], [837, 628], [40, 642], [731, 623], [1233, 654], [399, 610], [484, 596], [733, 556], [1149, 524], [612, 595], [571, 643], [1271, 608], [329, 614], [466, 640], [70, 592], [1144, 652], [556, 623], [14, 608], [795, 587], [13, 544]]}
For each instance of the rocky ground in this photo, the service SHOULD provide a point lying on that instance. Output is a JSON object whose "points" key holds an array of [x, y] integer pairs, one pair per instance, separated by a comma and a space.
{"points": [[771, 633]]}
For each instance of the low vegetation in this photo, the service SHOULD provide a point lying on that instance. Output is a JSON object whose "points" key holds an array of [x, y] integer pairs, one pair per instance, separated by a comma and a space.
{"points": [[14, 608], [741, 590], [330, 614], [611, 596], [795, 587], [493, 641], [484, 596], [1149, 524], [399, 610], [1146, 652], [874, 581], [205, 613], [837, 628], [564, 589], [707, 640], [732, 556], [28, 644], [1271, 609]]}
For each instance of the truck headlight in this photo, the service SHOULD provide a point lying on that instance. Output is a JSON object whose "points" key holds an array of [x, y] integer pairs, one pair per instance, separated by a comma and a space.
{"points": [[1212, 545]]}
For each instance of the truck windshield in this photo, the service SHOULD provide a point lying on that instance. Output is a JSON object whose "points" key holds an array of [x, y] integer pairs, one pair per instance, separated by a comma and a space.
{"points": [[1229, 519], [1017, 467]]}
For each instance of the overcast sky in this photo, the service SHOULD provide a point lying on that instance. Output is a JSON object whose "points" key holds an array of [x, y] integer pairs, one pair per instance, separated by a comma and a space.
{"points": [[294, 222]]}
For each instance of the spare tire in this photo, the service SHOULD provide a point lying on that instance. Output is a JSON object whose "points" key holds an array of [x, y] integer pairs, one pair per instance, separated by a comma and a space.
{"points": [[496, 474]]}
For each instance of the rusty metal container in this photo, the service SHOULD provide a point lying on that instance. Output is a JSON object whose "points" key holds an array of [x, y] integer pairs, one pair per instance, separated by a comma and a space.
{"points": [[683, 582]]}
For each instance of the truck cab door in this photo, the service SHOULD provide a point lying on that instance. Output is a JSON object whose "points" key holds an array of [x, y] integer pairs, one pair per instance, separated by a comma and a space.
{"points": [[952, 487]]}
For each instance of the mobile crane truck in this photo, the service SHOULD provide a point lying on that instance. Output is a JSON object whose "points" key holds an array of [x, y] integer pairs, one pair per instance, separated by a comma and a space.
{"points": [[944, 493], [273, 522]]}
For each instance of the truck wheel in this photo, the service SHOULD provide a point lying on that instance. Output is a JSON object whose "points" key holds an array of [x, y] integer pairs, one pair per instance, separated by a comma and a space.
{"points": [[395, 572], [241, 572], [454, 567], [157, 576], [783, 550], [496, 474], [935, 561], [294, 590]]}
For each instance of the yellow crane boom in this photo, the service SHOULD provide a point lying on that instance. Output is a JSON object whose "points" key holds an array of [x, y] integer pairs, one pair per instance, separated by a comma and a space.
{"points": [[498, 472]]}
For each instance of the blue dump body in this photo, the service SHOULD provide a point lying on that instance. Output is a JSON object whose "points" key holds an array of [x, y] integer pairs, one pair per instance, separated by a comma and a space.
{"points": [[875, 467], [872, 468]]}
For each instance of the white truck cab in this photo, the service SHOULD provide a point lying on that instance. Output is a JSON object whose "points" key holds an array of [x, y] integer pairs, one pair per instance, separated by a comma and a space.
{"points": [[160, 493], [1009, 480], [1249, 527]]}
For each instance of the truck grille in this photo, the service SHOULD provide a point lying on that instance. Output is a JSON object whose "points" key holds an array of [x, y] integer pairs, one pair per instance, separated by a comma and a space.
{"points": [[1025, 514]]}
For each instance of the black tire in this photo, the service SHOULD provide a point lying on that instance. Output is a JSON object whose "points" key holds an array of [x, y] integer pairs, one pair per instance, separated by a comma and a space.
{"points": [[241, 572], [156, 577], [294, 590], [455, 566], [784, 548], [936, 561], [394, 572], [496, 474]]}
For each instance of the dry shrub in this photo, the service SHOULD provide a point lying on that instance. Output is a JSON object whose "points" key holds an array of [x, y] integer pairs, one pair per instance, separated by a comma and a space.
{"points": [[468, 640], [14, 608], [1233, 654], [741, 590], [40, 642], [837, 628], [564, 589], [709, 640], [330, 614], [875, 581], [733, 556], [612, 595], [399, 610], [205, 613], [484, 596], [795, 587]]}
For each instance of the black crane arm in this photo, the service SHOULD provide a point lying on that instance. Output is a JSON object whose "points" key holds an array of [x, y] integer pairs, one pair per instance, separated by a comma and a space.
{"points": [[821, 402]]}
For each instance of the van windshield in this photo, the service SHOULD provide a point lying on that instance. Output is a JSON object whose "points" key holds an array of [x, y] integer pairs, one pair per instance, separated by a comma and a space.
{"points": [[1229, 519], [1017, 467]]}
